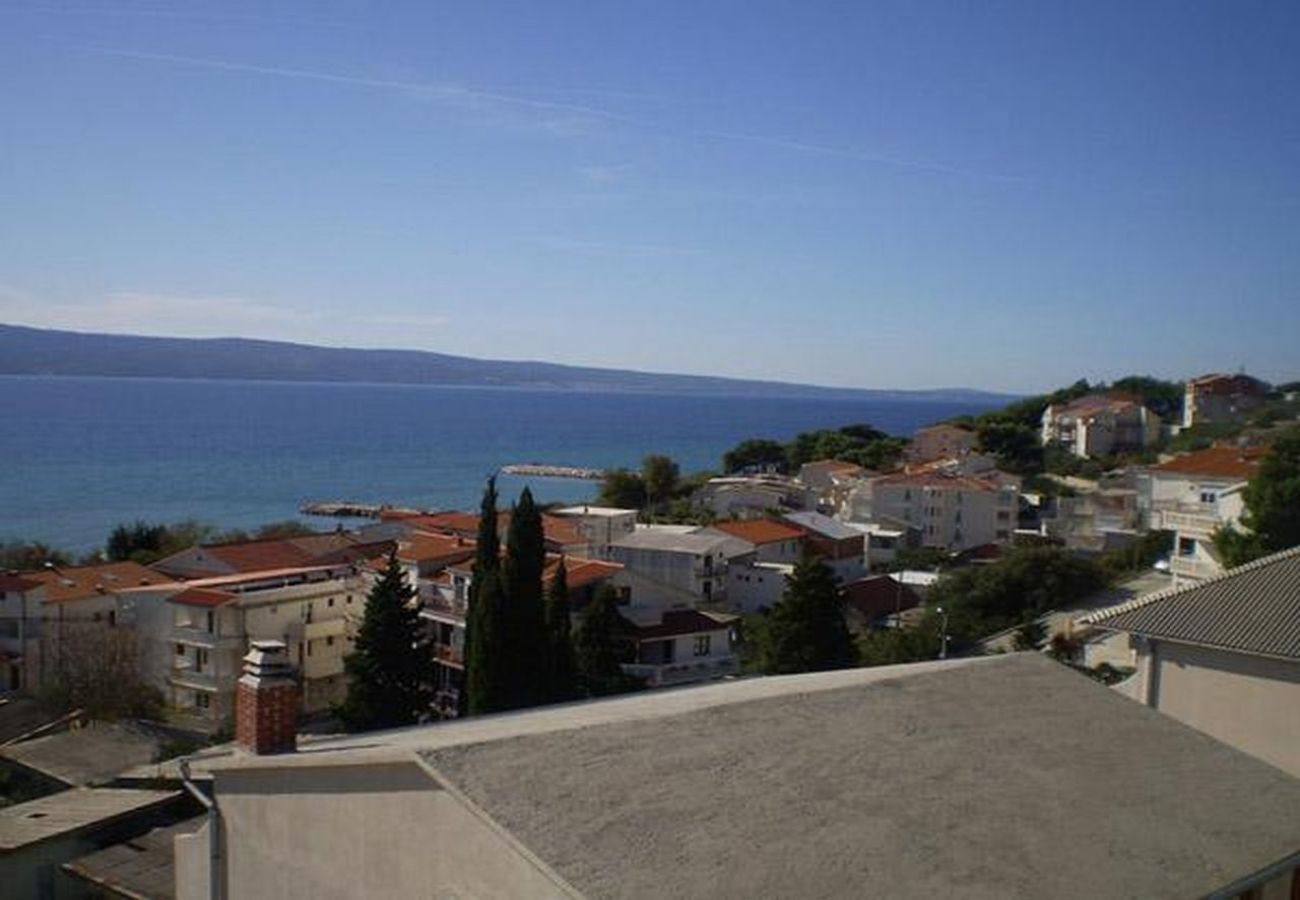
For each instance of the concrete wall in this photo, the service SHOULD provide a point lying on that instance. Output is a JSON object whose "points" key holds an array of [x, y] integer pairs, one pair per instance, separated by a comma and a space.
{"points": [[328, 832], [1246, 701]]}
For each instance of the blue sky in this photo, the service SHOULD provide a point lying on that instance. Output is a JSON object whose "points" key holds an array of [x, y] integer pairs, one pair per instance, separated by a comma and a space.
{"points": [[987, 194]]}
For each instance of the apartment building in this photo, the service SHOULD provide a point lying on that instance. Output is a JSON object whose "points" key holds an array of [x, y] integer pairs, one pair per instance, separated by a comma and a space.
{"points": [[942, 509], [942, 441], [841, 548], [599, 526], [47, 613], [754, 496], [831, 480], [1221, 398], [1100, 425], [1194, 495], [683, 646], [688, 565], [194, 635]]}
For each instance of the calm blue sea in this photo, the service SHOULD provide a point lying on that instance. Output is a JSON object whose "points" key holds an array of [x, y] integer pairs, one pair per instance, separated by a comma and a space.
{"points": [[78, 455]]}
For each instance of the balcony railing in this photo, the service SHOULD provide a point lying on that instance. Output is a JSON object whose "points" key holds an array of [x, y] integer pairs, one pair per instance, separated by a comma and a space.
{"points": [[1200, 524], [442, 607], [683, 672], [200, 637], [445, 653], [1192, 567], [187, 677]]}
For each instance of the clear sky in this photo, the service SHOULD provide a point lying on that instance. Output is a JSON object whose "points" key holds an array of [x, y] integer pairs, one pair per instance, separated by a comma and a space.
{"points": [[985, 194]]}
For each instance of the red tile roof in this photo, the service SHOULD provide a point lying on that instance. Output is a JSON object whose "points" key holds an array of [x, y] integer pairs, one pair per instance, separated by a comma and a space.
{"points": [[678, 622], [1221, 462], [12, 582], [759, 531], [202, 597], [65, 584], [1218, 383], [579, 572], [557, 530], [422, 546], [1092, 404], [878, 595]]}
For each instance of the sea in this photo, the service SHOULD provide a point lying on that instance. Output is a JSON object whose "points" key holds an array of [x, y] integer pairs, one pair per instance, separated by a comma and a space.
{"points": [[79, 455]]}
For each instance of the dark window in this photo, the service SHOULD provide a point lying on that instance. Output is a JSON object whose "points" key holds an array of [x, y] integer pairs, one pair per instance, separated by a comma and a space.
{"points": [[702, 645]]}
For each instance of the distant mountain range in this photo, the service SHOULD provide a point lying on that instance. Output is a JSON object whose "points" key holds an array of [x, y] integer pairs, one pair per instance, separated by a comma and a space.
{"points": [[37, 351]]}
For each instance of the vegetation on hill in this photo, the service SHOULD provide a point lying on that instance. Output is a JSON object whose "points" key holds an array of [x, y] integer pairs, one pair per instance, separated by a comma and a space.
{"points": [[1271, 521], [147, 542], [658, 491], [861, 444]]}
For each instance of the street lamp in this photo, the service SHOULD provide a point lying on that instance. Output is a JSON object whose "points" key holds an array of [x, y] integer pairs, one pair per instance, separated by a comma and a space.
{"points": [[943, 633]]}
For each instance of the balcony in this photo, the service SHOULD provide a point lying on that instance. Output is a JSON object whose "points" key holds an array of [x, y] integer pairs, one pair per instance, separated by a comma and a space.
{"points": [[667, 674], [186, 677], [1190, 521], [200, 637], [440, 608], [452, 656]]}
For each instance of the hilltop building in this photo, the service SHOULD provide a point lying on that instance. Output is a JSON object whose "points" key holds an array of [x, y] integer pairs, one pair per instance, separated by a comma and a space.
{"points": [[1100, 425], [1221, 398]]}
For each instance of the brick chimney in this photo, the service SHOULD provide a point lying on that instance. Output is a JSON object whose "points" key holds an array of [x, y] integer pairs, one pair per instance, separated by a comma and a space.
{"points": [[266, 701]]}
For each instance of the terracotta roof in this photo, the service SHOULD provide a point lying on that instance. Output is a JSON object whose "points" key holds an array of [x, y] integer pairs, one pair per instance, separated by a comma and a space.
{"points": [[422, 546], [1093, 404], [579, 572], [557, 530], [202, 597], [65, 584], [759, 531], [683, 621], [1223, 462], [878, 595], [1218, 383], [12, 582], [940, 478]]}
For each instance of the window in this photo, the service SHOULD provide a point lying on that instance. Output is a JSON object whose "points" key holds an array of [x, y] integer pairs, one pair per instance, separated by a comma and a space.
{"points": [[1207, 496], [180, 649], [349, 599], [212, 621], [1186, 547], [309, 643], [702, 645], [330, 602], [329, 641], [112, 618], [202, 700]]}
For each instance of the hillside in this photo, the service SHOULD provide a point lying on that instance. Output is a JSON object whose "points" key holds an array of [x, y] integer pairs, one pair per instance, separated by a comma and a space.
{"points": [[33, 351]]}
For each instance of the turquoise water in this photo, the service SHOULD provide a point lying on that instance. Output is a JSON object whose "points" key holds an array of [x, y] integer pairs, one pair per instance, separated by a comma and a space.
{"points": [[78, 455]]}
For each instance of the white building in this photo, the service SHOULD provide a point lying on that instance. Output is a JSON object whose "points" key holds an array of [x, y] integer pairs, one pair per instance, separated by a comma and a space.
{"points": [[1100, 425], [599, 525], [683, 646], [692, 564], [193, 636], [753, 585], [1193, 496], [944, 510], [747, 496]]}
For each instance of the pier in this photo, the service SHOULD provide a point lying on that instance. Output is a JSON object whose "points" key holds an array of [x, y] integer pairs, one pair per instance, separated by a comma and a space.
{"points": [[537, 470], [345, 508]]}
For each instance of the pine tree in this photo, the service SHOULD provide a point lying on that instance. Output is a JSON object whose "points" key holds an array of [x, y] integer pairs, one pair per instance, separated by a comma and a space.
{"points": [[600, 647], [523, 631], [561, 665], [390, 669], [806, 631], [481, 691]]}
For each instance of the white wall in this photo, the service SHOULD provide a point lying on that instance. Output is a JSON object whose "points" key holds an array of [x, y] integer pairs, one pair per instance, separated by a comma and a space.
{"points": [[1249, 702]]}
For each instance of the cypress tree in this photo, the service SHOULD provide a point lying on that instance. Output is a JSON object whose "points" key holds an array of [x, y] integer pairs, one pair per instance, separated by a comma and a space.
{"points": [[601, 645], [390, 669], [806, 631], [562, 667], [523, 643], [481, 691]]}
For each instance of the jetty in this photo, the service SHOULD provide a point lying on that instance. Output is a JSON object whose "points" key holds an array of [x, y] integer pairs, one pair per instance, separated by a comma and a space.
{"points": [[538, 470], [345, 509]]}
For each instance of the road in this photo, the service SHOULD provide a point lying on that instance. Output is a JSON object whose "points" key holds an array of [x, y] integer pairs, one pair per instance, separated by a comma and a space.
{"points": [[1059, 619]]}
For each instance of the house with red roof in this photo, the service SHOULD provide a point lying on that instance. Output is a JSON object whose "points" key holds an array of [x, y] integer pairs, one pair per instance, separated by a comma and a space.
{"points": [[1100, 425], [1194, 495]]}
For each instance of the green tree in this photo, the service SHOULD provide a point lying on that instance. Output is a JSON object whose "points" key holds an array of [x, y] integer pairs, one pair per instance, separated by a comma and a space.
{"points": [[1272, 517], [24, 555], [522, 645], [390, 669], [482, 689], [659, 475], [140, 541], [755, 453], [622, 488], [891, 646], [806, 630], [562, 669], [601, 646]]}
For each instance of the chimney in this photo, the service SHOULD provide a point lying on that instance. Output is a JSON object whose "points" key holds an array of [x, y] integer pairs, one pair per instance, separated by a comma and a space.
{"points": [[266, 701]]}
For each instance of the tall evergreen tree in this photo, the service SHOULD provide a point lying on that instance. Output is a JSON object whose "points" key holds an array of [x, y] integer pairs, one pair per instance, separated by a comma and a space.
{"points": [[562, 667], [523, 630], [806, 631], [390, 669], [601, 645], [481, 691]]}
